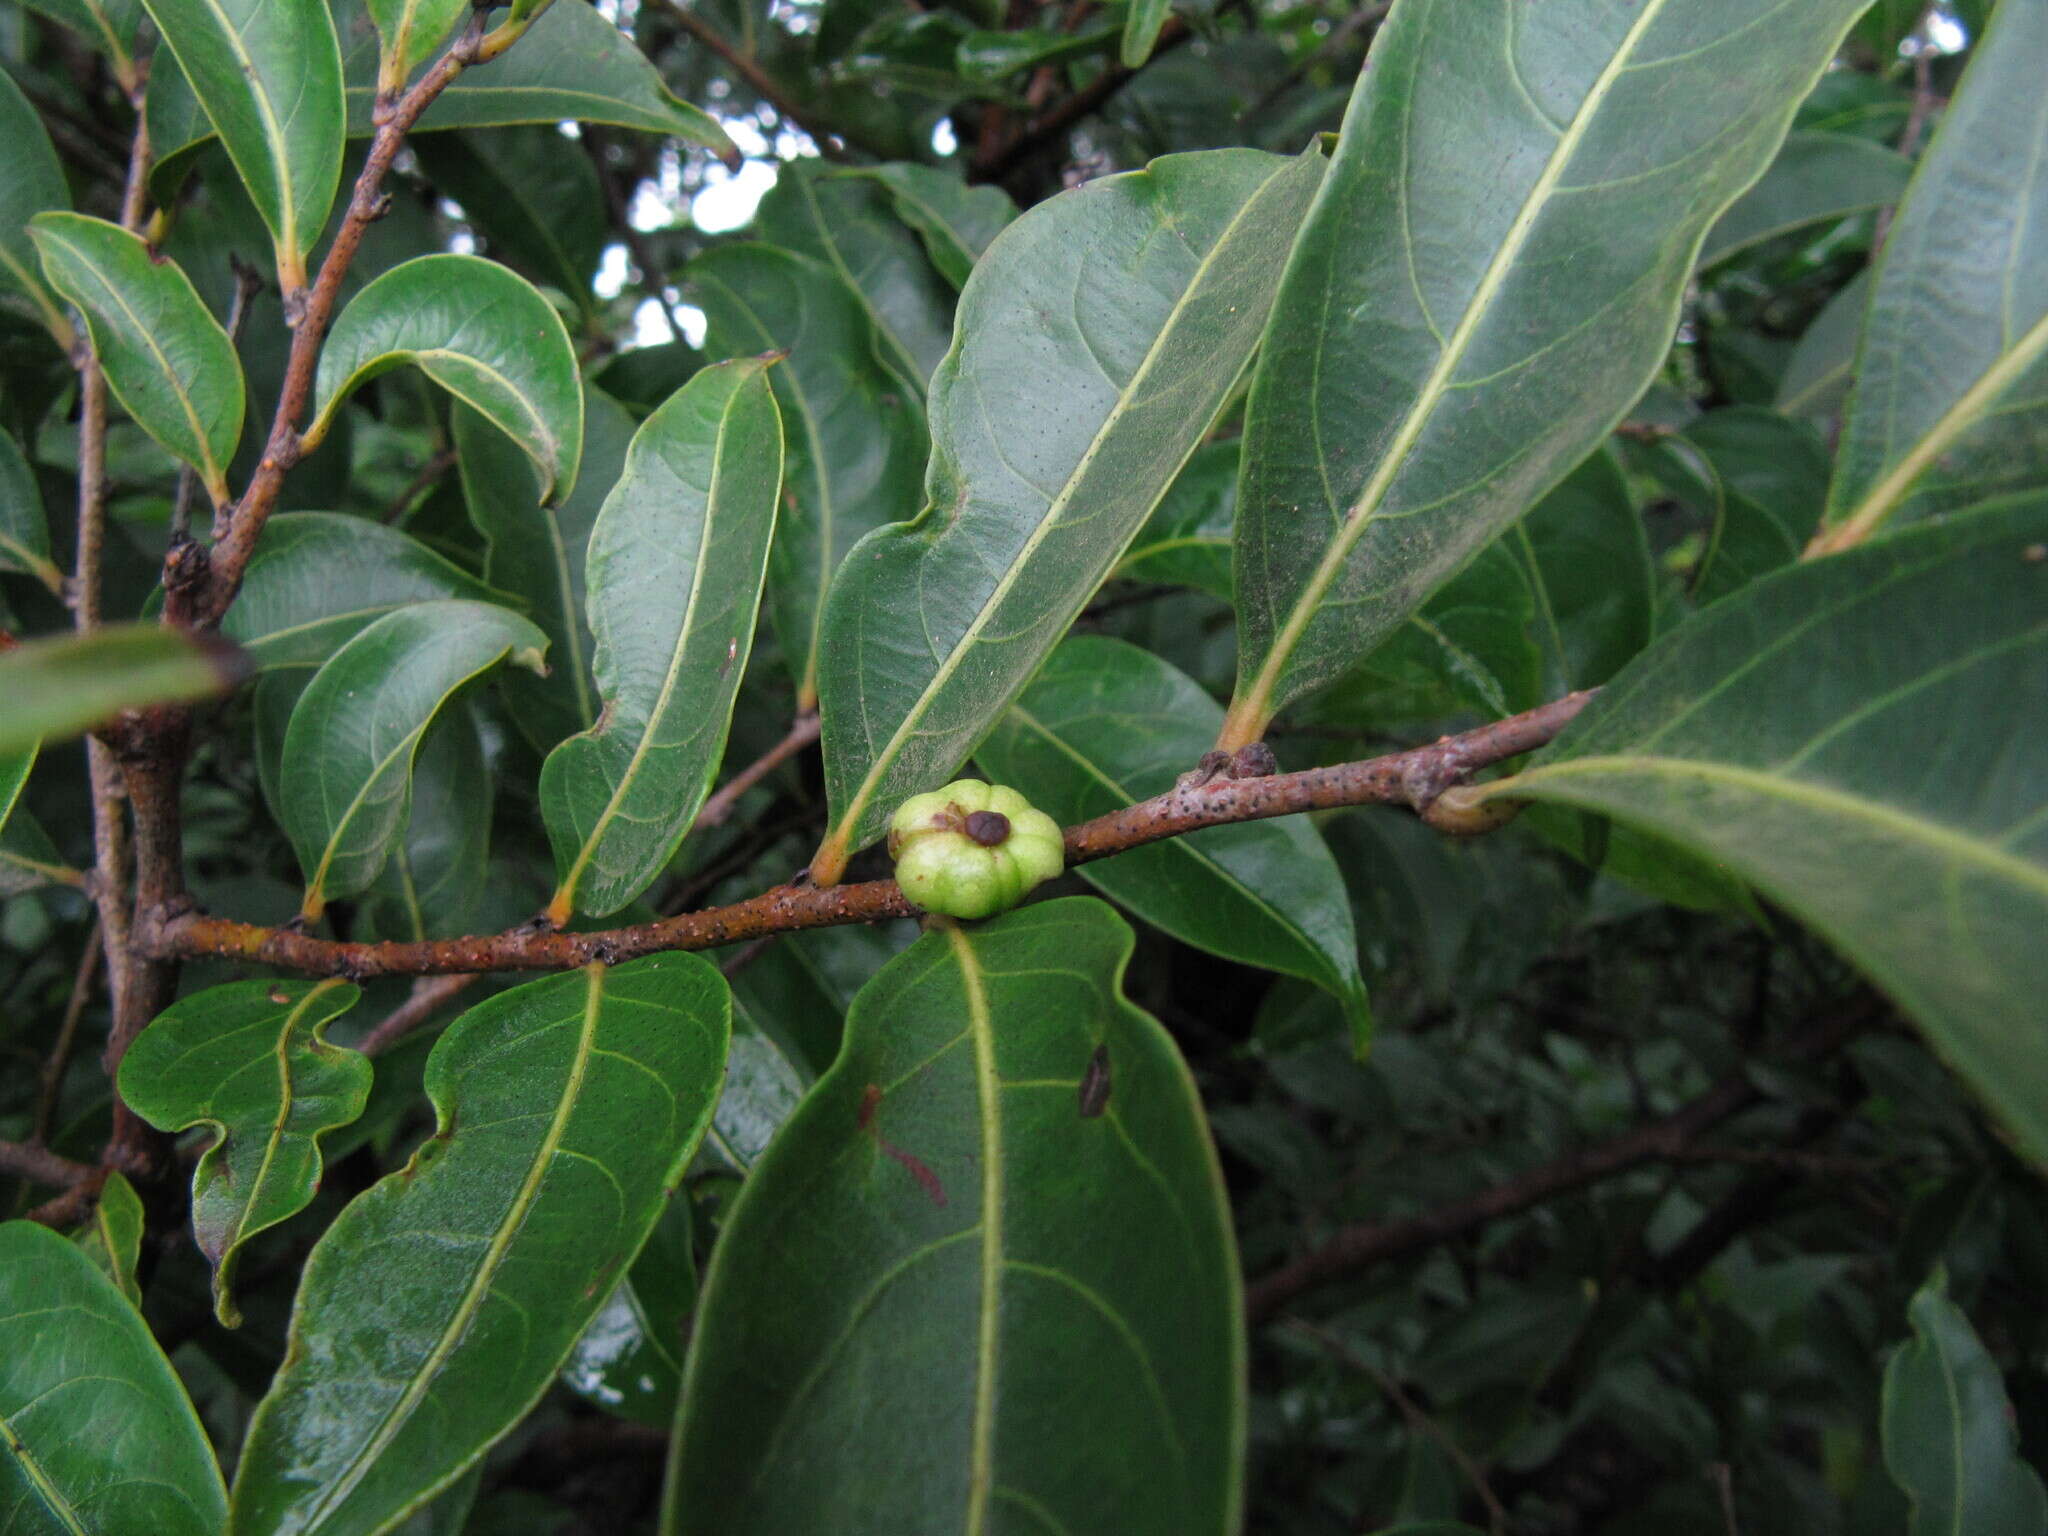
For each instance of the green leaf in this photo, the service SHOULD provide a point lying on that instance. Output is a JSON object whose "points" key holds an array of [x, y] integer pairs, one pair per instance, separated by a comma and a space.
{"points": [[482, 333], [1186, 541], [1862, 739], [534, 196], [268, 77], [1106, 725], [408, 31], [318, 578], [109, 25], [346, 778], [249, 1061], [566, 1112], [1141, 30], [166, 358], [1948, 1433], [538, 551], [676, 563], [440, 868], [629, 1361], [1816, 377], [856, 444], [112, 1235], [1582, 550], [27, 858], [24, 530], [31, 182], [849, 223], [944, 1263], [1491, 275], [1816, 178], [88, 1406], [983, 58], [1773, 475], [955, 221], [60, 686], [1097, 341], [1948, 405]]}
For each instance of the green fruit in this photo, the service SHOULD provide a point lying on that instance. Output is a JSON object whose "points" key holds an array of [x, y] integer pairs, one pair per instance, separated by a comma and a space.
{"points": [[972, 849]]}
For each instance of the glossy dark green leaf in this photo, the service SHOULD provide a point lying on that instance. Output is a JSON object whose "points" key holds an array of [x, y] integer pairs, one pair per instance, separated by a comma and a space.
{"points": [[319, 577], [112, 1235], [955, 221], [249, 1061], [983, 58], [531, 193], [1773, 474], [942, 1264], [31, 182], [537, 551], [1105, 725], [629, 1361], [24, 530], [1490, 277], [856, 443], [88, 1402], [1862, 739], [166, 358], [346, 777], [60, 686], [566, 1112], [1950, 403], [1097, 341], [801, 986], [27, 858], [408, 31], [269, 79], [441, 867], [676, 564], [1187, 540], [1948, 1430], [1816, 177], [1141, 30], [483, 334], [849, 222]]}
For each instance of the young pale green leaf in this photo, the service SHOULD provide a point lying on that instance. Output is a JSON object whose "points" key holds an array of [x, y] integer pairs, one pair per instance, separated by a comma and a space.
{"points": [[1141, 30], [1817, 177], [856, 443], [60, 686], [849, 222], [1490, 277], [676, 563], [1862, 739], [268, 77], [955, 221], [166, 358], [537, 551], [407, 32], [96, 1434], [24, 530], [346, 777], [112, 1235], [481, 332], [1948, 1432], [1186, 541], [248, 1060], [567, 1111], [1097, 341], [1001, 1197], [27, 858], [31, 182], [440, 868], [1950, 403], [318, 578], [1106, 725]]}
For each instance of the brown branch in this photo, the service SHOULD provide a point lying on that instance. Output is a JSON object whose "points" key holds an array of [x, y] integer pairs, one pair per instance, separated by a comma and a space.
{"points": [[1364, 1244], [1060, 119], [802, 732], [439, 462], [39, 1165], [763, 84], [428, 994], [1412, 778], [52, 1082]]}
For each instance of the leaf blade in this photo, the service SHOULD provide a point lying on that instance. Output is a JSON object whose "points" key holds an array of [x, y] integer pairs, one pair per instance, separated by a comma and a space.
{"points": [[60, 686], [31, 182]]}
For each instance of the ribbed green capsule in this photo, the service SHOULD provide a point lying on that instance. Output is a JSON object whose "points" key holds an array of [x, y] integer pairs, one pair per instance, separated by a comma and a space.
{"points": [[972, 849]]}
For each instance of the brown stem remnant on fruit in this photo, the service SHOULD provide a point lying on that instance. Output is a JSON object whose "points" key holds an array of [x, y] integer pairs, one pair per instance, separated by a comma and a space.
{"points": [[1389, 780]]}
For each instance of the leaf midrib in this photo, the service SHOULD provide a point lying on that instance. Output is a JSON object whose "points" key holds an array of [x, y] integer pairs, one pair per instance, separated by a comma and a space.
{"points": [[1053, 516], [988, 1091], [472, 1301], [52, 1497], [1364, 510], [273, 130]]}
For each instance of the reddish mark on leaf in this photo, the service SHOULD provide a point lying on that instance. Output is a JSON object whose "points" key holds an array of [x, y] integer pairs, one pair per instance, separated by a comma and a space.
{"points": [[870, 1101], [279, 996], [1095, 1084]]}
